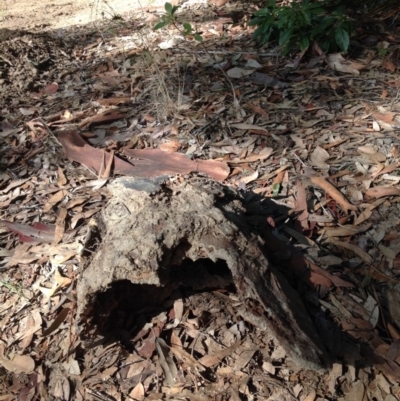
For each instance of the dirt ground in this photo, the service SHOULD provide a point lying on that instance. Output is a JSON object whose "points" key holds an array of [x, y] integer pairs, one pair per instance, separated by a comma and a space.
{"points": [[57, 14]]}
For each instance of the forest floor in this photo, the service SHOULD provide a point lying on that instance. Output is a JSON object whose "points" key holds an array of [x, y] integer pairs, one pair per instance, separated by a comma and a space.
{"points": [[316, 136]]}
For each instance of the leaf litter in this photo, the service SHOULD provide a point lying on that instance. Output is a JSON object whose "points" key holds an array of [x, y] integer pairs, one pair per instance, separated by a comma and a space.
{"points": [[317, 137]]}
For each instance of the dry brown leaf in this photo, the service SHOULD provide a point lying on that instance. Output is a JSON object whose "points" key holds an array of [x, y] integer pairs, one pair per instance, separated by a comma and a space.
{"points": [[388, 64], [211, 360], [322, 277], [301, 205], [175, 340], [334, 193], [18, 364], [29, 326], [334, 374], [186, 358], [395, 334], [218, 3], [166, 362], [367, 149], [247, 179], [379, 192], [61, 253], [61, 180], [338, 63], [267, 176], [258, 109], [387, 252], [385, 118], [344, 231], [61, 280], [375, 126], [238, 72], [72, 367], [149, 344], [60, 225], [6, 129], [245, 126], [112, 101], [357, 392], [279, 178], [372, 154], [319, 157], [310, 396], [358, 251], [56, 322], [335, 143], [366, 214], [172, 146], [13, 185], [107, 171], [61, 388], [98, 119], [54, 199], [178, 309], [84, 215], [264, 154], [262, 79], [138, 392]]}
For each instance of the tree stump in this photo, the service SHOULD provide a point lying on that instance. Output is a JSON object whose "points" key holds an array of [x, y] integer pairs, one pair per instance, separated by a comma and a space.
{"points": [[158, 234]]}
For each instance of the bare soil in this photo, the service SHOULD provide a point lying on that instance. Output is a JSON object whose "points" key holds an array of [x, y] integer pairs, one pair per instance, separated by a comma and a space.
{"points": [[57, 14]]}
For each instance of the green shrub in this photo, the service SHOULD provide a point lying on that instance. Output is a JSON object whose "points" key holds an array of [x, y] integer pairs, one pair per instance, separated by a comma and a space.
{"points": [[301, 24], [169, 18]]}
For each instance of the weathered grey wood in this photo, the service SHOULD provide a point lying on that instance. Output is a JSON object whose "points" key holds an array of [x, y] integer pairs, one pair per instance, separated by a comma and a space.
{"points": [[151, 225]]}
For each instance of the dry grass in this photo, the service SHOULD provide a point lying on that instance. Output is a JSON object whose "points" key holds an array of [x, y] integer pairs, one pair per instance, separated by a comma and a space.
{"points": [[165, 84]]}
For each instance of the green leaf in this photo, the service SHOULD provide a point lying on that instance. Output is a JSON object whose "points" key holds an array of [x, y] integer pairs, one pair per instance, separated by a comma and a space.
{"points": [[289, 46], [304, 43], [187, 27], [259, 31], [254, 21], [307, 17], [342, 39], [264, 39], [264, 36], [262, 13], [198, 37], [325, 45], [275, 190], [168, 8], [322, 26], [285, 36], [161, 24]]}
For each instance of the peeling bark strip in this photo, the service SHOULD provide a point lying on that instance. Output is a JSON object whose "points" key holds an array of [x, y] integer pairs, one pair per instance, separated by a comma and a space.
{"points": [[158, 235]]}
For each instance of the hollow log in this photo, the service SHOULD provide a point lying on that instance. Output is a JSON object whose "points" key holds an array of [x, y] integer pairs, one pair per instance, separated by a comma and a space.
{"points": [[161, 233]]}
